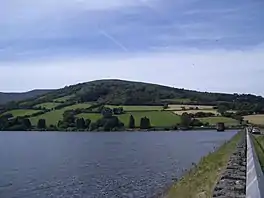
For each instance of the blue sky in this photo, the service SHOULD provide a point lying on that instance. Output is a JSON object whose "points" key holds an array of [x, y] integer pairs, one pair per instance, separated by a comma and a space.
{"points": [[194, 44]]}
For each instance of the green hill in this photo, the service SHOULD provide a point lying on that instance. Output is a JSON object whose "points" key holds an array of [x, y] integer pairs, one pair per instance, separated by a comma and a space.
{"points": [[119, 92], [136, 98]]}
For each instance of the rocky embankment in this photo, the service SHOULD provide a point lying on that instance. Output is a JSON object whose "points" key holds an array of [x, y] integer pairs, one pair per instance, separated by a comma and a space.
{"points": [[232, 182]]}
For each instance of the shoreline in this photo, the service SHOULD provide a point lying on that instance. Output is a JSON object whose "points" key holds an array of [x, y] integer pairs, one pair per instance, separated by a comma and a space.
{"points": [[197, 182], [138, 130]]}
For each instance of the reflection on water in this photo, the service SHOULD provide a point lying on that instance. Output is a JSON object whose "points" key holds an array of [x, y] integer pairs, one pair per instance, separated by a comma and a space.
{"points": [[53, 164]]}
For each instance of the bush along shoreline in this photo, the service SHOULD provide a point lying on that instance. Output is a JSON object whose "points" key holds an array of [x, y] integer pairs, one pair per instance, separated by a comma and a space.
{"points": [[107, 123]]}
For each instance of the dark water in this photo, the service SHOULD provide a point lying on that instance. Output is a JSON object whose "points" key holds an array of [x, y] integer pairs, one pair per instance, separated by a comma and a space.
{"points": [[41, 165]]}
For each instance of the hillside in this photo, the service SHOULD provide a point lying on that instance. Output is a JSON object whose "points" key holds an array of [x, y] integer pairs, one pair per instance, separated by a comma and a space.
{"points": [[136, 93], [8, 97], [163, 106]]}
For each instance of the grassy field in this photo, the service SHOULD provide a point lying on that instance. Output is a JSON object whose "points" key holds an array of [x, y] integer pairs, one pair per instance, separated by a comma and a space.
{"points": [[215, 120], [138, 108], [157, 119], [255, 119], [63, 99], [179, 107], [22, 112], [47, 105], [53, 117], [258, 141], [78, 106], [200, 181], [196, 111]]}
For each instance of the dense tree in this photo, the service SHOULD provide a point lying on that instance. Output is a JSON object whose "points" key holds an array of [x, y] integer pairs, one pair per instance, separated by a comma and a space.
{"points": [[27, 123], [165, 106], [68, 117], [87, 123], [203, 114], [196, 123], [222, 109], [145, 123], [41, 124], [186, 120], [3, 122], [93, 126], [118, 111], [14, 124], [131, 124], [107, 112], [80, 123], [52, 128], [19, 127], [7, 115], [107, 124], [61, 124]]}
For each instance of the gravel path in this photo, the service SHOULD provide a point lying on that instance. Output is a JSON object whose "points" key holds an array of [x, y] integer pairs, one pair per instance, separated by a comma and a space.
{"points": [[232, 182]]}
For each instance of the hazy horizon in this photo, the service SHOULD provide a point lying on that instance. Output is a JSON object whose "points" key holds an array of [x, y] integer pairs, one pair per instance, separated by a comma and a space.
{"points": [[214, 46]]}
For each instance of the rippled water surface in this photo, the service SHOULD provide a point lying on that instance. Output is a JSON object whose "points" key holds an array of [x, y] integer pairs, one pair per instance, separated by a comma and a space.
{"points": [[93, 165]]}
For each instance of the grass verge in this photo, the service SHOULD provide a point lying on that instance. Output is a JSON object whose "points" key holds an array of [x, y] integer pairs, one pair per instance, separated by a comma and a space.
{"points": [[258, 142], [200, 181]]}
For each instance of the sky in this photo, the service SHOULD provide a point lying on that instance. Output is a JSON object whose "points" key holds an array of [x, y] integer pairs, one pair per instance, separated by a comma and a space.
{"points": [[204, 45]]}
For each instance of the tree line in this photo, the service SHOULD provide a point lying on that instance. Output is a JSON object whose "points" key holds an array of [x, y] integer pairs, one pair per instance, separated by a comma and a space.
{"points": [[108, 122]]}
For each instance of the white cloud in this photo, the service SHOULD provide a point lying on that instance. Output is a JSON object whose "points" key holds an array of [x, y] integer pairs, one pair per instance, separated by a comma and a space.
{"points": [[222, 71]]}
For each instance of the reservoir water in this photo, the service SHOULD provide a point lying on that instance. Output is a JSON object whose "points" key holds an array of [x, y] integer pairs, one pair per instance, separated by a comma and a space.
{"points": [[98, 165]]}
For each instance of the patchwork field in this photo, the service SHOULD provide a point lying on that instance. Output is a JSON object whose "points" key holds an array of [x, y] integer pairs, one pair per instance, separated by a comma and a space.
{"points": [[63, 99], [187, 107], [137, 108], [53, 117], [22, 112], [215, 120], [157, 119], [47, 105], [78, 106], [255, 119]]}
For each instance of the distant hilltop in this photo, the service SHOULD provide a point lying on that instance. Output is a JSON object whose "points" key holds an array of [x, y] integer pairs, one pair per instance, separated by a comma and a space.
{"points": [[127, 92], [8, 97]]}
